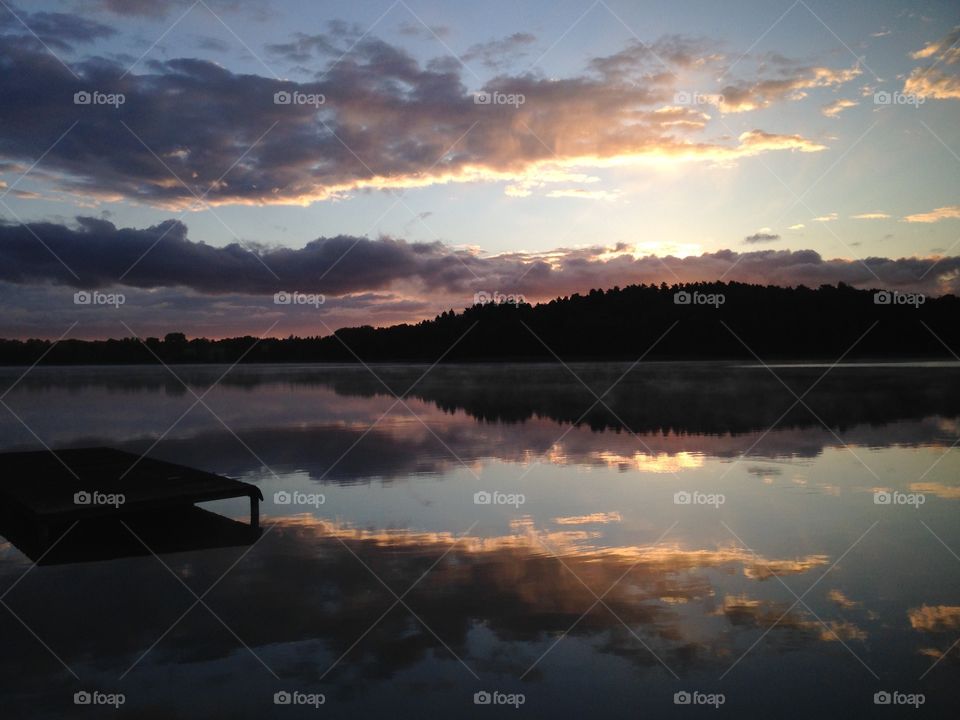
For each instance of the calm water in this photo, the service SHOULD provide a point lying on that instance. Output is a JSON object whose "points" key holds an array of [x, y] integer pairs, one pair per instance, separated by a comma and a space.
{"points": [[664, 540]]}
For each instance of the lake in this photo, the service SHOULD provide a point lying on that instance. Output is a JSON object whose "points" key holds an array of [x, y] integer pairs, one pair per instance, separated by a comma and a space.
{"points": [[599, 540]]}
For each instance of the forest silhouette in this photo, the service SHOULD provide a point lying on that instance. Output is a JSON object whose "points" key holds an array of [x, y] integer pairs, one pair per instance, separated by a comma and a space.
{"points": [[693, 321]]}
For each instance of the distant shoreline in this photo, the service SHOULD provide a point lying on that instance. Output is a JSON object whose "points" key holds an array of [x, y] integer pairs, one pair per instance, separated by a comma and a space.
{"points": [[733, 322]]}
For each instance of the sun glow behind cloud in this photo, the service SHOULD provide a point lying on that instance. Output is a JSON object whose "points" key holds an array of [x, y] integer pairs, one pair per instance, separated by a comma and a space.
{"points": [[627, 161]]}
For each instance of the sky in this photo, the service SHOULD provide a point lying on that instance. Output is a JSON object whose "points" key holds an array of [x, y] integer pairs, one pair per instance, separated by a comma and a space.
{"points": [[169, 165]]}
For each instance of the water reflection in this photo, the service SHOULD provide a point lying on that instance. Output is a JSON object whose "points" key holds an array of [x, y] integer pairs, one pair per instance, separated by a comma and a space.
{"points": [[521, 588], [506, 596]]}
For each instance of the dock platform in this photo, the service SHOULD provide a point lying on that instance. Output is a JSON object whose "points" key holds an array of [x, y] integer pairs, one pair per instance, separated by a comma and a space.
{"points": [[48, 492]]}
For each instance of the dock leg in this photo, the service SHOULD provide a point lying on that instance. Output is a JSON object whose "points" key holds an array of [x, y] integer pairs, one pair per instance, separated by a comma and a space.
{"points": [[254, 512]]}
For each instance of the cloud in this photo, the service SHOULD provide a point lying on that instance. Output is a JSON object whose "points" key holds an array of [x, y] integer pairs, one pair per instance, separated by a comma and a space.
{"points": [[949, 212], [762, 93], [836, 107], [798, 226], [633, 62], [829, 217], [162, 256], [156, 9], [935, 81], [934, 84], [336, 42], [758, 140], [839, 598], [935, 618], [56, 30], [140, 8], [500, 54], [761, 237], [429, 32], [871, 216], [387, 122], [946, 48]]}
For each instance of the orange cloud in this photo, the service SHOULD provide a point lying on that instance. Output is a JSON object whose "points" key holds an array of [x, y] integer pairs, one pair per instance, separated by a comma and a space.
{"points": [[946, 48], [762, 93], [836, 107], [949, 212], [933, 81], [383, 125], [839, 598], [935, 618], [933, 84], [760, 141]]}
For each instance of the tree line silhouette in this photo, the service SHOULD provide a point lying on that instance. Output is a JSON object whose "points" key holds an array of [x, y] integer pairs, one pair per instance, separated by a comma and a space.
{"points": [[719, 320]]}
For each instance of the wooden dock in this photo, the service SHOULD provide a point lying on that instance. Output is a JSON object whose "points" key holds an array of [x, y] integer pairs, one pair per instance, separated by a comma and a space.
{"points": [[43, 493]]}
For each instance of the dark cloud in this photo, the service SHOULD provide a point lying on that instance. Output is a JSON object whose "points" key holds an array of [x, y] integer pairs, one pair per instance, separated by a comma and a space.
{"points": [[99, 253], [760, 237], [387, 122], [141, 8], [156, 9]]}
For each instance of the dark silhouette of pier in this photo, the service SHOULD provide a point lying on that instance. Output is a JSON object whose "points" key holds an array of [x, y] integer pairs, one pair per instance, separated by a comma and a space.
{"points": [[99, 503]]}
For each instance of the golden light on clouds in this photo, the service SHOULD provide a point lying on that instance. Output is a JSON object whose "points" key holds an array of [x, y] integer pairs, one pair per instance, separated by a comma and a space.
{"points": [[949, 212], [935, 618]]}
